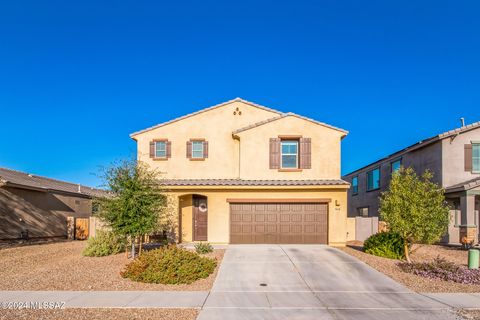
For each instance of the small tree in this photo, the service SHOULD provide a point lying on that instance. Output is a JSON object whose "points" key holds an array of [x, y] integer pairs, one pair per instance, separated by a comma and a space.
{"points": [[415, 208], [137, 202]]}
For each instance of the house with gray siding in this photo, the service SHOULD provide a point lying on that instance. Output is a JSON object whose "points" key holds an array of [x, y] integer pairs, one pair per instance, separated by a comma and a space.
{"points": [[454, 159]]}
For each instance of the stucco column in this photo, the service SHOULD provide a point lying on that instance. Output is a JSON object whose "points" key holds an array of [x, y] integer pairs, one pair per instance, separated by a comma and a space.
{"points": [[468, 223]]}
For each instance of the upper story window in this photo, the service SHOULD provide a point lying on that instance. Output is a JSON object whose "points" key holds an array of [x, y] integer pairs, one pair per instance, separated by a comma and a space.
{"points": [[289, 149], [197, 149], [373, 179], [355, 185], [476, 157], [395, 165], [160, 149]]}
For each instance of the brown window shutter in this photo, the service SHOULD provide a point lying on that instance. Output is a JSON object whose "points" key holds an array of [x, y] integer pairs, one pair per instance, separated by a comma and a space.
{"points": [[169, 148], [305, 153], [189, 149], [274, 153], [205, 149], [152, 149], [468, 158]]}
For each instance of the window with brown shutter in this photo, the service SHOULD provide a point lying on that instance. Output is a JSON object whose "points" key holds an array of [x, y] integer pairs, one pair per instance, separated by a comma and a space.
{"points": [[468, 157], [205, 149], [169, 149], [305, 153], [189, 149], [152, 149], [160, 149], [274, 153], [197, 149]]}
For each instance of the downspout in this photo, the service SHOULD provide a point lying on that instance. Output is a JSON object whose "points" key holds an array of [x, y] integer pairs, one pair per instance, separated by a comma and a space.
{"points": [[239, 164]]}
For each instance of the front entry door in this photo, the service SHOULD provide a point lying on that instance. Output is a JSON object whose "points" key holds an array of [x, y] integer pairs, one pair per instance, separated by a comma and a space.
{"points": [[200, 218]]}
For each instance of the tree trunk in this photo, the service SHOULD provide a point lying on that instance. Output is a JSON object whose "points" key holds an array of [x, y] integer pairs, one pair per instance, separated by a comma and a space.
{"points": [[407, 253], [133, 248], [140, 246]]}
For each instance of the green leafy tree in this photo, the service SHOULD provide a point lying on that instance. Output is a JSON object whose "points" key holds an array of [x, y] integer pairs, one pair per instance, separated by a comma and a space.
{"points": [[415, 208], [137, 202]]}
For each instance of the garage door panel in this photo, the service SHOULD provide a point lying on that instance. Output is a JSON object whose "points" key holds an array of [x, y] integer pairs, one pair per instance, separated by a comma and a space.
{"points": [[272, 217], [247, 217], [260, 217], [279, 223]]}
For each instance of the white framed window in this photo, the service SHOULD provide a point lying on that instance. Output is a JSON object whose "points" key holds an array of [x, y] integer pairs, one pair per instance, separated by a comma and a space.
{"points": [[289, 159], [197, 150], [476, 157], [160, 149]]}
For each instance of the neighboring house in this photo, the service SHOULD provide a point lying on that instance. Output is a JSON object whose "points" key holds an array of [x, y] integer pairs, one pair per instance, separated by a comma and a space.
{"points": [[34, 207], [454, 159], [243, 173]]}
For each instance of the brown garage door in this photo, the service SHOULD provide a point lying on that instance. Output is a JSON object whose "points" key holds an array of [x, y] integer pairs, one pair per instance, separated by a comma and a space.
{"points": [[279, 223]]}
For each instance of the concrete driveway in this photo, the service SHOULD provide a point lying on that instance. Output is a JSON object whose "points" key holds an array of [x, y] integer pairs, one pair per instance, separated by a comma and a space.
{"points": [[309, 282]]}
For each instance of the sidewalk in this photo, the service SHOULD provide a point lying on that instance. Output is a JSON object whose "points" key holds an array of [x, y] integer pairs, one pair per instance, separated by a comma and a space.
{"points": [[110, 299], [176, 299]]}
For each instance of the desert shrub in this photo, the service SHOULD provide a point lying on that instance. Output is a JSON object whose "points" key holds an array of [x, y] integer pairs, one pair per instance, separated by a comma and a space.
{"points": [[104, 243], [385, 244], [439, 268], [169, 265], [203, 247]]}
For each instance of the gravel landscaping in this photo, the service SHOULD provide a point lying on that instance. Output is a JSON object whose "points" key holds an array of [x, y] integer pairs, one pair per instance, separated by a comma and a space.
{"points": [[99, 314], [60, 266], [469, 314], [415, 282]]}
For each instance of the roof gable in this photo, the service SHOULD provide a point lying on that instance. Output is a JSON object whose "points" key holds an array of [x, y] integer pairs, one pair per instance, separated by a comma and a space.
{"points": [[289, 114], [205, 110]]}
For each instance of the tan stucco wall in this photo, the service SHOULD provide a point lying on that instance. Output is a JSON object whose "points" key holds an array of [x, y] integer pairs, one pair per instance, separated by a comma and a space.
{"points": [[325, 142], [186, 212], [219, 210], [216, 126], [246, 155]]}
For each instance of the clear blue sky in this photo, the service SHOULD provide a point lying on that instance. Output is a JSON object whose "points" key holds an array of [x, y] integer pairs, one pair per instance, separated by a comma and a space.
{"points": [[76, 78]]}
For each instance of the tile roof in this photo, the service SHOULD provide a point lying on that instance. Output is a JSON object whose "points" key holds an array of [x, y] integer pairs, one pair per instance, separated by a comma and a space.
{"points": [[204, 110], [243, 182], [10, 177], [466, 185], [422, 143], [287, 114]]}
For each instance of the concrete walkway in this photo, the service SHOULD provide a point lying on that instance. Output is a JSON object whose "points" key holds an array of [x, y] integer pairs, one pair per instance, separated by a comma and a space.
{"points": [[110, 299], [310, 282]]}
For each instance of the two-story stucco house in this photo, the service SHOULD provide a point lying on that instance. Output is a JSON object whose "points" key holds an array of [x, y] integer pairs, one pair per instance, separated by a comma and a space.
{"points": [[243, 173], [454, 159]]}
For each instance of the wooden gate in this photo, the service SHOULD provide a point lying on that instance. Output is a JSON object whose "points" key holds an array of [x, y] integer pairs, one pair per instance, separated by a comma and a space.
{"points": [[81, 228]]}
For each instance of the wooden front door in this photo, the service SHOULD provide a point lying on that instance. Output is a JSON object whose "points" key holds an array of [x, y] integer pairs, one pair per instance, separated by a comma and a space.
{"points": [[200, 218]]}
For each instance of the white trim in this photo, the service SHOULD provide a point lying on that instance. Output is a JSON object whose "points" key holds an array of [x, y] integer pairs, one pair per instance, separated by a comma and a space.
{"points": [[155, 149], [193, 151], [295, 142]]}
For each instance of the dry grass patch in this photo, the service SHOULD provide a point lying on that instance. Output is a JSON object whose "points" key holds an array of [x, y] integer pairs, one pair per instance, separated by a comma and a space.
{"points": [[100, 314], [61, 266], [414, 282]]}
